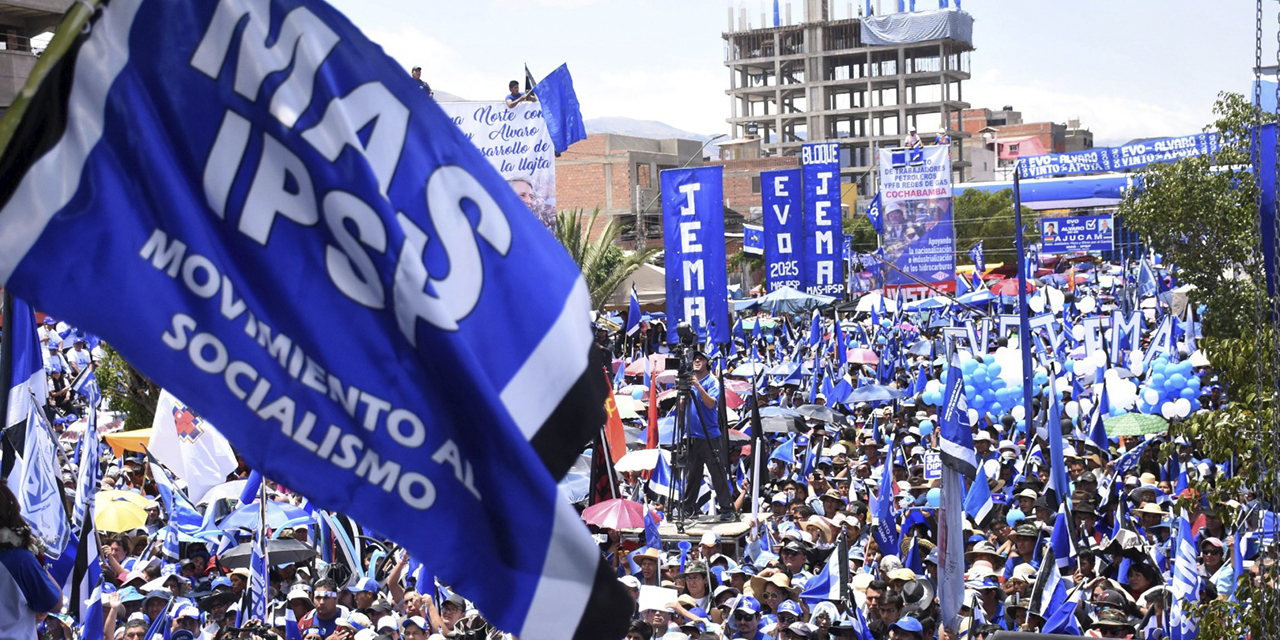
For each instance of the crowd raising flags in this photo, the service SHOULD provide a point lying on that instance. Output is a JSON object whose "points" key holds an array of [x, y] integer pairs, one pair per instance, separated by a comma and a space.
{"points": [[404, 376]]}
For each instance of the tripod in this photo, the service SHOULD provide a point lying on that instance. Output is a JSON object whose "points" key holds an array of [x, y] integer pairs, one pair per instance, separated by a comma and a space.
{"points": [[682, 454]]}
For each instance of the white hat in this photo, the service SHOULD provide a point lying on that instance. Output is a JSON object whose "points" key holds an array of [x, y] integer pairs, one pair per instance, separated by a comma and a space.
{"points": [[630, 582], [710, 539]]}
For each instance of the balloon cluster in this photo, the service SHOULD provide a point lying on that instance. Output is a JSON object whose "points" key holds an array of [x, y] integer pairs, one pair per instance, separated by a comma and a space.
{"points": [[1172, 390], [985, 391]]}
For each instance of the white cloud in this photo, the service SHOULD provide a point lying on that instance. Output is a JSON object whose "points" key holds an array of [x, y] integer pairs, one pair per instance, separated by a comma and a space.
{"points": [[1113, 119]]}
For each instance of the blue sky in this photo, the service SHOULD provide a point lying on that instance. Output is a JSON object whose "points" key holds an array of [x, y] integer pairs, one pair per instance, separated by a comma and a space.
{"points": [[1128, 69]]}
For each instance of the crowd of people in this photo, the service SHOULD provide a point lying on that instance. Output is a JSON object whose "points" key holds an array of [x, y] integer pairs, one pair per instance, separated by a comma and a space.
{"points": [[815, 557]]}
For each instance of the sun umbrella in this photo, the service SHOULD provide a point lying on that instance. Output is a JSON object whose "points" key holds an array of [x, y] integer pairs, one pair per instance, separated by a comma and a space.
{"points": [[874, 392], [278, 513], [127, 496], [921, 348], [280, 551], [618, 513], [748, 370], [821, 412], [225, 491], [1009, 287], [1134, 424], [657, 362], [641, 460], [118, 516], [863, 356]]}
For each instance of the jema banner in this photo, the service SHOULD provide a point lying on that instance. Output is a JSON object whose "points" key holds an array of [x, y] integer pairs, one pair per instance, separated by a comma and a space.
{"points": [[823, 272], [693, 235], [297, 241]]}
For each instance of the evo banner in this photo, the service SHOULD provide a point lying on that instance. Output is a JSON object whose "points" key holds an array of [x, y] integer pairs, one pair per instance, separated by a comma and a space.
{"points": [[919, 236], [1077, 233], [822, 272], [1129, 156], [781, 192], [693, 238], [516, 143]]}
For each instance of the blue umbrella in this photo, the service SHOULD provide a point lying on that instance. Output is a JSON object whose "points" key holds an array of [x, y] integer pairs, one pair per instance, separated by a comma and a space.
{"points": [[874, 392], [278, 513]]}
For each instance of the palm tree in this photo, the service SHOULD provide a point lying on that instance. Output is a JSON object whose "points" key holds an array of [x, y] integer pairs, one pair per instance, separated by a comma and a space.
{"points": [[603, 263]]}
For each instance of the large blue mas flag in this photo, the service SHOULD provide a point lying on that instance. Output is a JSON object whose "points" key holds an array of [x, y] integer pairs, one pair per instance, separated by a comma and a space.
{"points": [[823, 270], [292, 237], [693, 232], [783, 228]]}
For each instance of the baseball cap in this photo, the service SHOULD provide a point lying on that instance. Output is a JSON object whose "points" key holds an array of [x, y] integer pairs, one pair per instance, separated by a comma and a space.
{"points": [[748, 604], [790, 606], [187, 611], [629, 582], [223, 581], [417, 621], [710, 539], [908, 624], [365, 585]]}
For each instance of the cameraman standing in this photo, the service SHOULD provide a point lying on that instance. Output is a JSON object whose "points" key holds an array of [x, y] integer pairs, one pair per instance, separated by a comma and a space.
{"points": [[705, 449]]}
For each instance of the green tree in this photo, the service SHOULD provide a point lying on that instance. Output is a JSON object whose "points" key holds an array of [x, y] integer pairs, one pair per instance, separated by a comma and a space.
{"points": [[604, 265], [989, 217], [126, 391], [1200, 214]]}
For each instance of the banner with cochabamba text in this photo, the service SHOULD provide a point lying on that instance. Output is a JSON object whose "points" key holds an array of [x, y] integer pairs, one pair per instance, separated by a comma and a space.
{"points": [[291, 236], [517, 144], [919, 235]]}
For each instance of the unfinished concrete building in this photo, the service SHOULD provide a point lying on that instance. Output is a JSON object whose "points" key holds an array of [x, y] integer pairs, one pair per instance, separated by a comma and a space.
{"points": [[862, 81]]}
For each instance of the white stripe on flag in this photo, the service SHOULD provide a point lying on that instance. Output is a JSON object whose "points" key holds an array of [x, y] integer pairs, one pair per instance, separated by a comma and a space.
{"points": [[55, 177], [566, 582], [554, 366]]}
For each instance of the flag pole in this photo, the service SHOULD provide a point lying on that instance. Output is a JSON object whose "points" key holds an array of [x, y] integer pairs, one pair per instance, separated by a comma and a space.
{"points": [[7, 451], [1024, 323]]}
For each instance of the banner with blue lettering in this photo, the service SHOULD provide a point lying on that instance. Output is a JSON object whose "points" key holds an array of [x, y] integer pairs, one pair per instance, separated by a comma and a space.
{"points": [[1129, 156], [780, 195], [823, 230], [1077, 233], [295, 239], [919, 236], [693, 238]]}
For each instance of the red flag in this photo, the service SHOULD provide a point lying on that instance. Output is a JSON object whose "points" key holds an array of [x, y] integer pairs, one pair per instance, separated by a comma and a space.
{"points": [[652, 442], [614, 436]]}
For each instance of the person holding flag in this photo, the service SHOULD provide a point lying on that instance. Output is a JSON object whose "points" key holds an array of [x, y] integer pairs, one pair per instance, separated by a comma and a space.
{"points": [[26, 588]]}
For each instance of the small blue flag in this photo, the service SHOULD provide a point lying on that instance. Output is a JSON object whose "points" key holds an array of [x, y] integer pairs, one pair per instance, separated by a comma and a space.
{"points": [[979, 257], [633, 312], [978, 502], [873, 209], [560, 109], [753, 239]]}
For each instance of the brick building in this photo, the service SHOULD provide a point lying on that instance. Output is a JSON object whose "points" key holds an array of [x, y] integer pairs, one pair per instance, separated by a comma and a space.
{"points": [[1017, 138]]}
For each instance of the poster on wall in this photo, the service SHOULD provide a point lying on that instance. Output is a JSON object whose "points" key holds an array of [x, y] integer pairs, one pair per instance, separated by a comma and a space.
{"points": [[1077, 233], [516, 143], [919, 235]]}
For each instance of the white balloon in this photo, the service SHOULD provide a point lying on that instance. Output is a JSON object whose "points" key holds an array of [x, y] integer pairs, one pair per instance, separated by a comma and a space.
{"points": [[973, 417], [1036, 303], [1077, 332], [1086, 405], [1087, 305], [1056, 299], [933, 385], [992, 467], [1073, 409], [1018, 411], [1121, 393], [1151, 396], [1168, 410], [1182, 407], [1098, 359]]}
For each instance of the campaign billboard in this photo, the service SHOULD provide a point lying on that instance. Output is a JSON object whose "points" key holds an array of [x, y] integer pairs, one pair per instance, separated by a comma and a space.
{"points": [[823, 272], [783, 228], [1077, 233], [693, 232], [919, 234]]}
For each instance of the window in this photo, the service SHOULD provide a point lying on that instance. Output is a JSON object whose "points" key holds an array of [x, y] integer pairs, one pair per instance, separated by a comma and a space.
{"points": [[642, 175], [755, 184]]}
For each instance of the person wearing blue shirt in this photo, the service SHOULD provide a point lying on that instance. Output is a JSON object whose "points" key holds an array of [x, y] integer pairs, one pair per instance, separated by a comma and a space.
{"points": [[705, 449], [26, 589], [514, 97]]}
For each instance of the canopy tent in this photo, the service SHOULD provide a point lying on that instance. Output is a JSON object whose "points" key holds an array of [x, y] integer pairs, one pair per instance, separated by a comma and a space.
{"points": [[651, 289], [784, 300], [128, 441], [1061, 193]]}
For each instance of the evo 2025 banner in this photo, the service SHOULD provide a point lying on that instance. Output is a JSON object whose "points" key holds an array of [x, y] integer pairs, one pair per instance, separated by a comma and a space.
{"points": [[823, 270], [289, 235], [693, 238], [919, 237], [784, 243], [517, 144]]}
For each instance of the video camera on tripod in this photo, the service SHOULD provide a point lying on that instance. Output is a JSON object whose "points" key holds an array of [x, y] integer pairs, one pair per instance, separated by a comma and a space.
{"points": [[682, 353]]}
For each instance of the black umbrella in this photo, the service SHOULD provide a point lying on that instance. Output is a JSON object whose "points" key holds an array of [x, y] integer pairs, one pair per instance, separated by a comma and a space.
{"points": [[781, 424], [280, 551], [822, 413]]}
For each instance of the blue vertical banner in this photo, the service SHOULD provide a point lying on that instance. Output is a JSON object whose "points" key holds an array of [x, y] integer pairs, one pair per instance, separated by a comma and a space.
{"points": [[783, 228], [693, 237], [823, 231], [919, 235]]}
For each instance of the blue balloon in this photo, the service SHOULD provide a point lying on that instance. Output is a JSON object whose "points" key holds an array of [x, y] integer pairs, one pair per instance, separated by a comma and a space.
{"points": [[1117, 411], [979, 401], [1157, 380], [1193, 382], [638, 394], [1189, 393], [769, 338], [996, 408], [926, 427], [1175, 382], [993, 369], [970, 391], [1014, 517], [1041, 378], [997, 384], [969, 367], [1020, 426], [1195, 405], [933, 498], [1070, 366]]}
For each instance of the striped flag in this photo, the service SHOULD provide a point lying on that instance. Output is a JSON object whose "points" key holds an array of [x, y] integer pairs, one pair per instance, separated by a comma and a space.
{"points": [[978, 503], [258, 564], [832, 582], [956, 445], [1186, 581]]}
